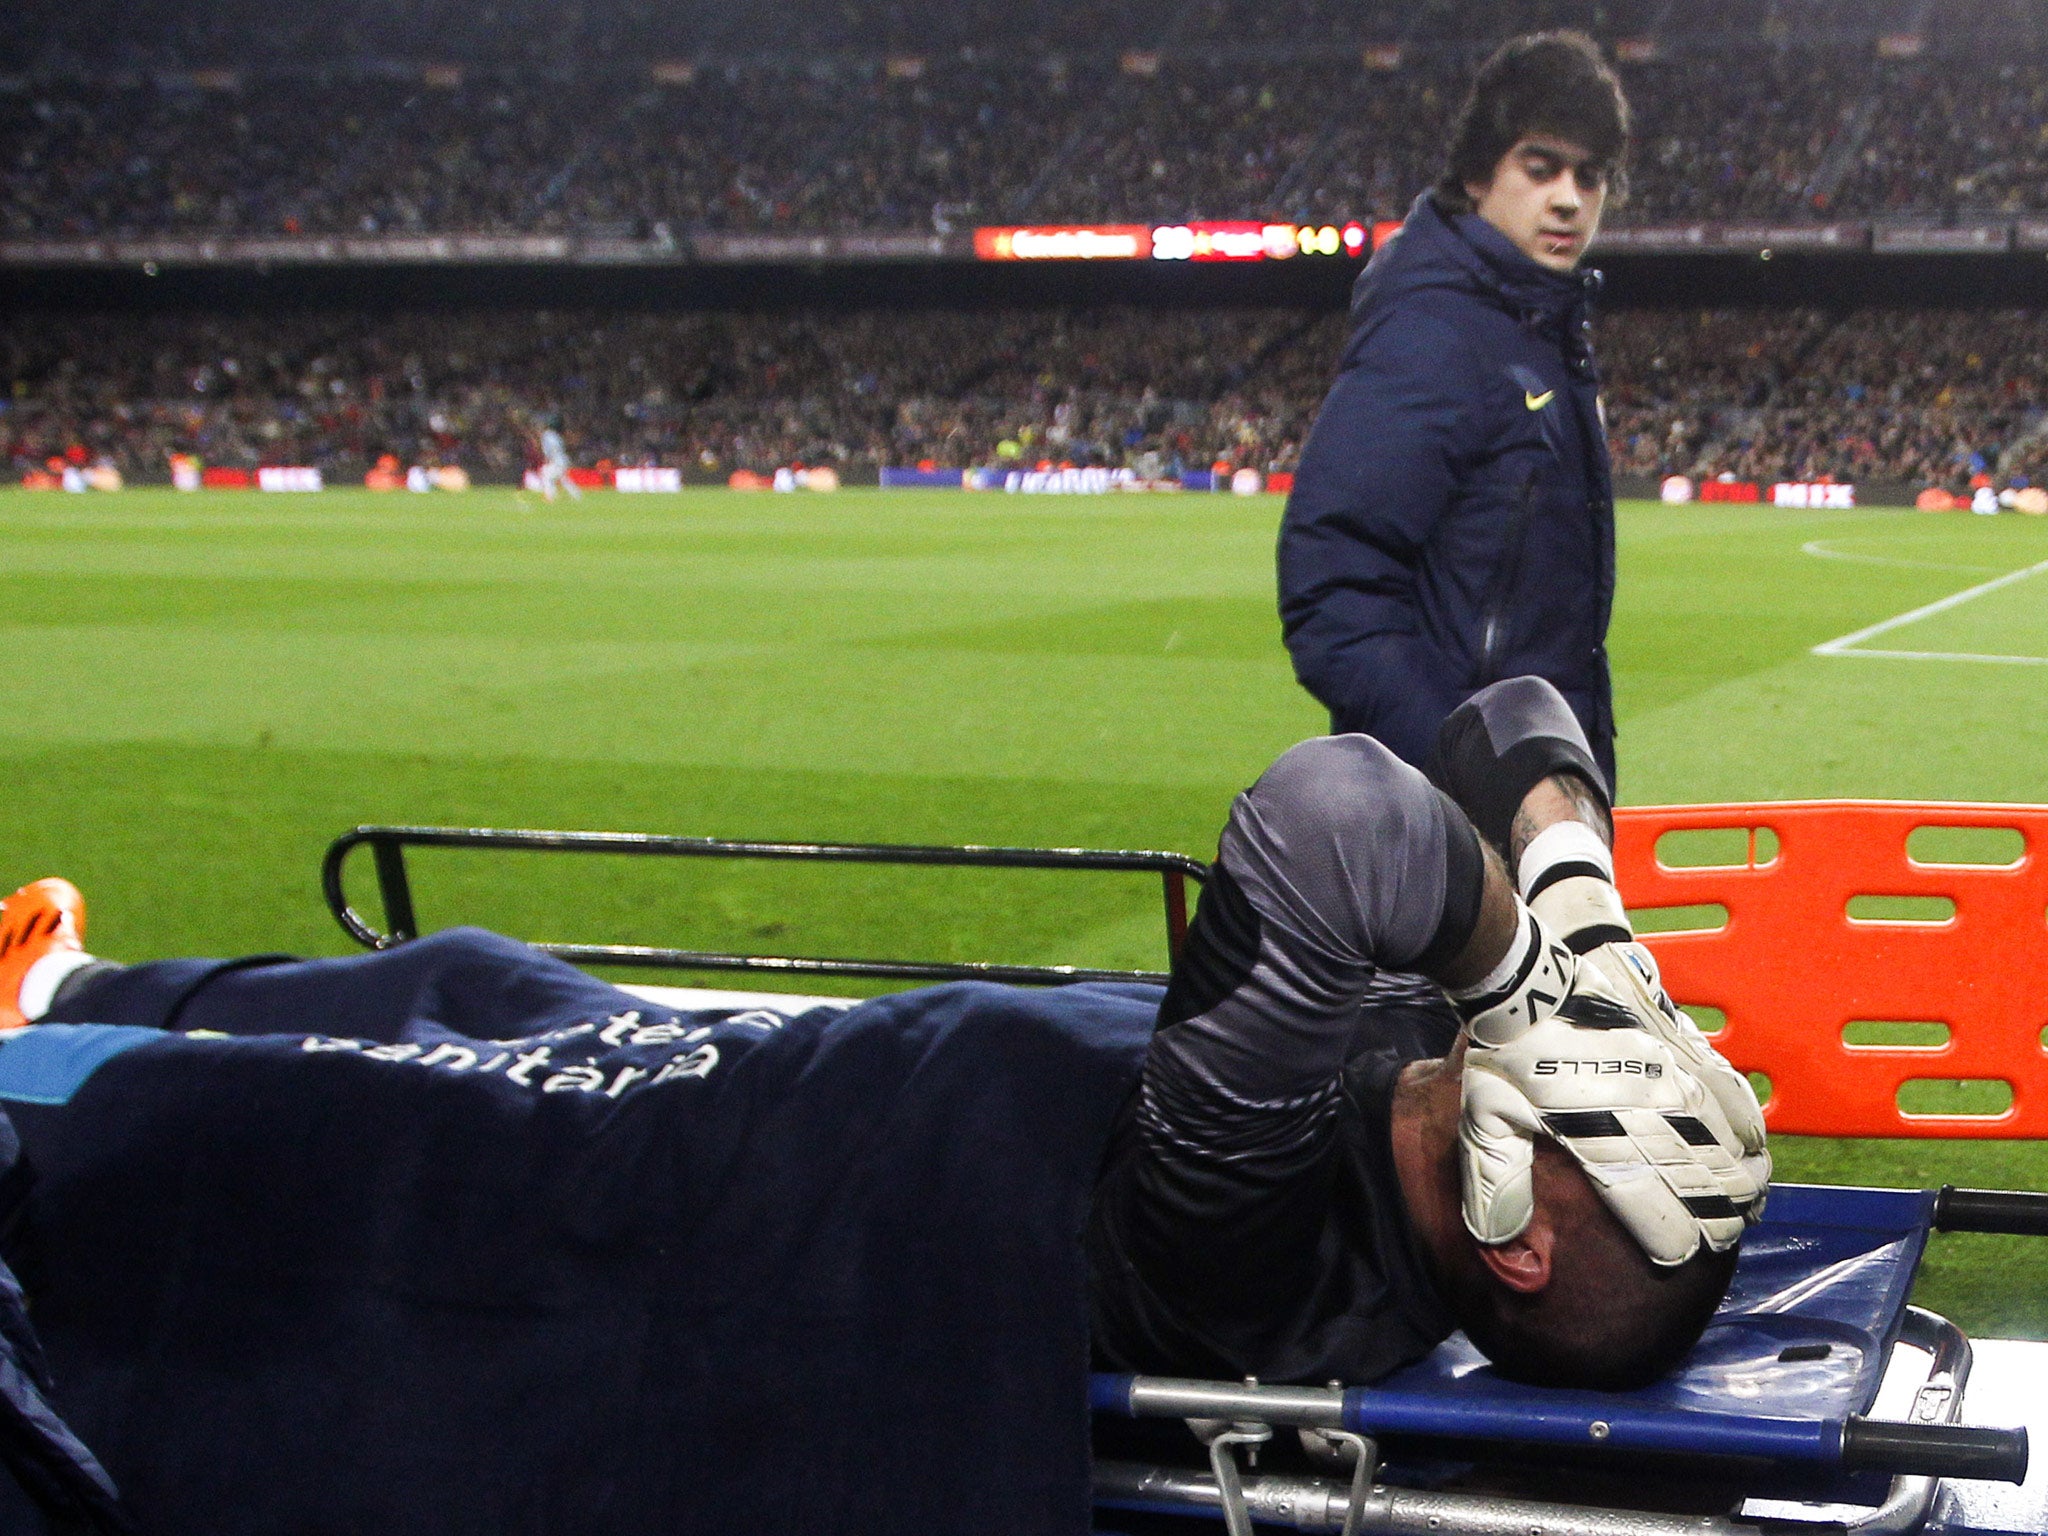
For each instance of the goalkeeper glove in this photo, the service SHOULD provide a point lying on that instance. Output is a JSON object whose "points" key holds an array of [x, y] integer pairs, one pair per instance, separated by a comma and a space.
{"points": [[1567, 877], [1581, 1049]]}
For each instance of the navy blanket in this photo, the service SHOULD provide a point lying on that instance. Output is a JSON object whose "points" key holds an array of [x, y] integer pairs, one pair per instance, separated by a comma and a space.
{"points": [[50, 1484], [389, 1265]]}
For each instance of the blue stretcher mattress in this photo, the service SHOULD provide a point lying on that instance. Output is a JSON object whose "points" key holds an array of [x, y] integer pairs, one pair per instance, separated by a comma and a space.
{"points": [[1796, 1349]]}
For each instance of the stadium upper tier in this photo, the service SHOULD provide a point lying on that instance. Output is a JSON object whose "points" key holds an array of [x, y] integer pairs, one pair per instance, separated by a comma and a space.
{"points": [[767, 149], [638, 119], [1928, 396], [203, 34]]}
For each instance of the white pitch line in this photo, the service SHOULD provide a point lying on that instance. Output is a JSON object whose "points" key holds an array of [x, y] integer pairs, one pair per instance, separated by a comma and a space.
{"points": [[2018, 661], [1820, 550], [1842, 645]]}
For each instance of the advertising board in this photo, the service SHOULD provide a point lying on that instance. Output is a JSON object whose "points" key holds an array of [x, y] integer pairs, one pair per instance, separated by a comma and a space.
{"points": [[289, 477], [1791, 493], [647, 480], [1196, 240]]}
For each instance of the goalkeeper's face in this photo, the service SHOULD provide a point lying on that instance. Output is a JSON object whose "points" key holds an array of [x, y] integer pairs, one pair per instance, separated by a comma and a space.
{"points": [[1546, 195]]}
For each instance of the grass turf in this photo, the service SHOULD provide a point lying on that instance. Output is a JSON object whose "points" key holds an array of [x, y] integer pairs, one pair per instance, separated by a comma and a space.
{"points": [[205, 689]]}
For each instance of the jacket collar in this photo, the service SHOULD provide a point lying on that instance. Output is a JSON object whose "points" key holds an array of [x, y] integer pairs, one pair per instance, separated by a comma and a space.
{"points": [[1465, 252]]}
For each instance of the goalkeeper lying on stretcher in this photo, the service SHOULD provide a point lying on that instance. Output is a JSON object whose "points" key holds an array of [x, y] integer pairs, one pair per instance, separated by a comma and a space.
{"points": [[1384, 1096]]}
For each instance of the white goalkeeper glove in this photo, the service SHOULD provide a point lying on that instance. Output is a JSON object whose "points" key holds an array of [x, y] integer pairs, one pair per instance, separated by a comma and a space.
{"points": [[1579, 1048], [1567, 876], [1630, 972]]}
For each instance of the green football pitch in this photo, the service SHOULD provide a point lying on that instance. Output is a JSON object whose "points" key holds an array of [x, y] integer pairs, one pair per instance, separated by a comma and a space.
{"points": [[201, 691]]}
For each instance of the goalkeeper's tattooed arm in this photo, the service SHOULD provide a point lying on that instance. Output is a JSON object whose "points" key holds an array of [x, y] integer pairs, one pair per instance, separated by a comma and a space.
{"points": [[1560, 797]]}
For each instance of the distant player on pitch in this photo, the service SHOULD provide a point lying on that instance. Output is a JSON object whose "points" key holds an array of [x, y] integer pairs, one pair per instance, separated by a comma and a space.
{"points": [[554, 464]]}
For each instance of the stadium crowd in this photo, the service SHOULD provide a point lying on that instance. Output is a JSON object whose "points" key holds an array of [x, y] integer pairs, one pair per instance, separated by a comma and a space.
{"points": [[1918, 397], [1953, 144], [657, 119], [1934, 397], [713, 392], [196, 34], [632, 118]]}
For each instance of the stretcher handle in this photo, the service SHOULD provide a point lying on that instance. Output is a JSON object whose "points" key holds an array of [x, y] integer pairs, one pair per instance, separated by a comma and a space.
{"points": [[2018, 1212], [1935, 1450]]}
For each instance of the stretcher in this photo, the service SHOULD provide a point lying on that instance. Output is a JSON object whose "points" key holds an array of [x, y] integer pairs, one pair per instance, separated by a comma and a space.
{"points": [[1820, 1400]]}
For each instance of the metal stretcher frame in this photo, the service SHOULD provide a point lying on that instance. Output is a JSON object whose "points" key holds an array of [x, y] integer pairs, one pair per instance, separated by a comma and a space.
{"points": [[1917, 1453], [387, 845], [1806, 1424], [1347, 1424], [1225, 1417]]}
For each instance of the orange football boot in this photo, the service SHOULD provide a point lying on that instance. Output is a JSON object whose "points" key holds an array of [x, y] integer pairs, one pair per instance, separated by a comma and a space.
{"points": [[39, 919]]}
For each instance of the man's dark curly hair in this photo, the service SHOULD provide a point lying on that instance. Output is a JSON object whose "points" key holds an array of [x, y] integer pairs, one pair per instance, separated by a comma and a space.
{"points": [[1550, 83]]}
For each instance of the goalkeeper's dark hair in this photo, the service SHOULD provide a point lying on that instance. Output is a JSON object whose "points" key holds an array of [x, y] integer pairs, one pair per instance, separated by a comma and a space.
{"points": [[1609, 1319], [1549, 83]]}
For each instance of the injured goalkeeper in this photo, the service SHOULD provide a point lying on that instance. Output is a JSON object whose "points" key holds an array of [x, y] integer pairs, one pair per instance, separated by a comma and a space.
{"points": [[1291, 1195], [1411, 1075]]}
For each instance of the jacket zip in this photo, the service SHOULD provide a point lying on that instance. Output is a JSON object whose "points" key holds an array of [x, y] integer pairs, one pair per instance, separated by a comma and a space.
{"points": [[1490, 638]]}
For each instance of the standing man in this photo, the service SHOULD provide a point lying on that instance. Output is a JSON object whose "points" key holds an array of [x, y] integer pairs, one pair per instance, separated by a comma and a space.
{"points": [[1452, 522]]}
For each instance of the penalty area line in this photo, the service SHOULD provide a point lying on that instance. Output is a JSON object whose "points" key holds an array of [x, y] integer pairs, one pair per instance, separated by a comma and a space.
{"points": [[2017, 661], [1849, 645]]}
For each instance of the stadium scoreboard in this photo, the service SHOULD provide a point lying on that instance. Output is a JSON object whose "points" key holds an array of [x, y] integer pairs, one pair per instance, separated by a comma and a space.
{"points": [[1197, 240]]}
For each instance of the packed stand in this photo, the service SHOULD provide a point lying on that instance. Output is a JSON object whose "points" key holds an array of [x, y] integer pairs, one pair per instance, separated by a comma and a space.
{"points": [[187, 34], [773, 150], [1341, 25], [1943, 398], [866, 141], [97, 36], [849, 146], [1779, 23], [1749, 141], [316, 159], [1953, 141], [759, 148], [1318, 142], [1674, 379], [1936, 397], [712, 393]]}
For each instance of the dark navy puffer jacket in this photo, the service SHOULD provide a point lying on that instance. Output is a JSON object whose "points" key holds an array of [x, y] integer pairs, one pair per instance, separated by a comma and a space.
{"points": [[1452, 521]]}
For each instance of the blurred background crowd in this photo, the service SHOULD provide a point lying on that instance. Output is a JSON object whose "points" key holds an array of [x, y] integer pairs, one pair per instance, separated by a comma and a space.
{"points": [[643, 119], [1930, 396], [659, 119]]}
